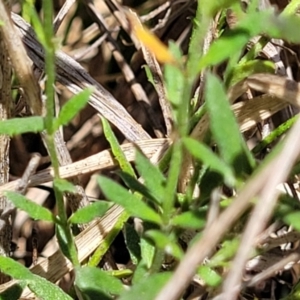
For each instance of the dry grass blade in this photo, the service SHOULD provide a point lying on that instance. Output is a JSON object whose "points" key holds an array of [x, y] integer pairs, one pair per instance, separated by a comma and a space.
{"points": [[100, 161], [257, 184], [128, 73], [20, 61], [123, 16], [283, 88], [248, 114], [75, 78], [272, 270]]}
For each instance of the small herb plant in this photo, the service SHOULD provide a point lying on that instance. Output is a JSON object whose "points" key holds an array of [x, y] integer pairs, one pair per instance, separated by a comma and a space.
{"points": [[204, 172]]}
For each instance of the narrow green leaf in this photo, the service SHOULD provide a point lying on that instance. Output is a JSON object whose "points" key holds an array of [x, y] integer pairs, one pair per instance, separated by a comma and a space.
{"points": [[66, 247], [149, 75], [34, 210], [293, 219], [19, 126], [229, 44], [132, 204], [136, 186], [165, 243], [31, 16], [90, 212], [72, 107], [64, 185], [175, 81], [172, 181], [154, 179], [147, 288], [190, 220], [44, 289], [210, 276], [97, 284], [202, 153], [116, 149], [242, 71], [132, 241], [225, 129], [14, 269], [147, 252], [225, 254]]}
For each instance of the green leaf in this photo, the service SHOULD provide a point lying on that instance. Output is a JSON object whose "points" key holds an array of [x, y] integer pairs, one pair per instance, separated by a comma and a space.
{"points": [[97, 284], [154, 179], [30, 14], [210, 277], [90, 212], [242, 71], [229, 44], [14, 269], [293, 219], [18, 126], [162, 241], [202, 153], [44, 289], [149, 74], [34, 210], [132, 204], [225, 129], [67, 248], [136, 186], [63, 185], [168, 204], [132, 241], [148, 288], [72, 107], [40, 286], [226, 252], [175, 80], [190, 220], [147, 252], [116, 149]]}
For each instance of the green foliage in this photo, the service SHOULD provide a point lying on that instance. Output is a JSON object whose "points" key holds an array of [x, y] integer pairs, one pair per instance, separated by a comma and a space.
{"points": [[154, 180], [72, 108], [147, 288], [94, 283], [202, 153], [63, 185], [151, 193], [89, 213], [116, 149], [233, 148], [19, 126], [66, 243], [133, 204], [42, 288], [34, 210]]}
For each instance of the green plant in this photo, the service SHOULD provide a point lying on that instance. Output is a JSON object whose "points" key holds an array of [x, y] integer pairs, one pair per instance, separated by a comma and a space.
{"points": [[208, 152]]}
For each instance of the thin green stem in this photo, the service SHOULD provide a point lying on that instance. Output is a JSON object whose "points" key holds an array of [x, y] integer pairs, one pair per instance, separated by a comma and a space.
{"points": [[49, 64], [171, 186], [274, 135]]}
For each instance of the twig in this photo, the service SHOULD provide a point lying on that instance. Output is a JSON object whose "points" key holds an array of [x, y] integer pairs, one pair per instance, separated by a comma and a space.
{"points": [[100, 161], [272, 270]]}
